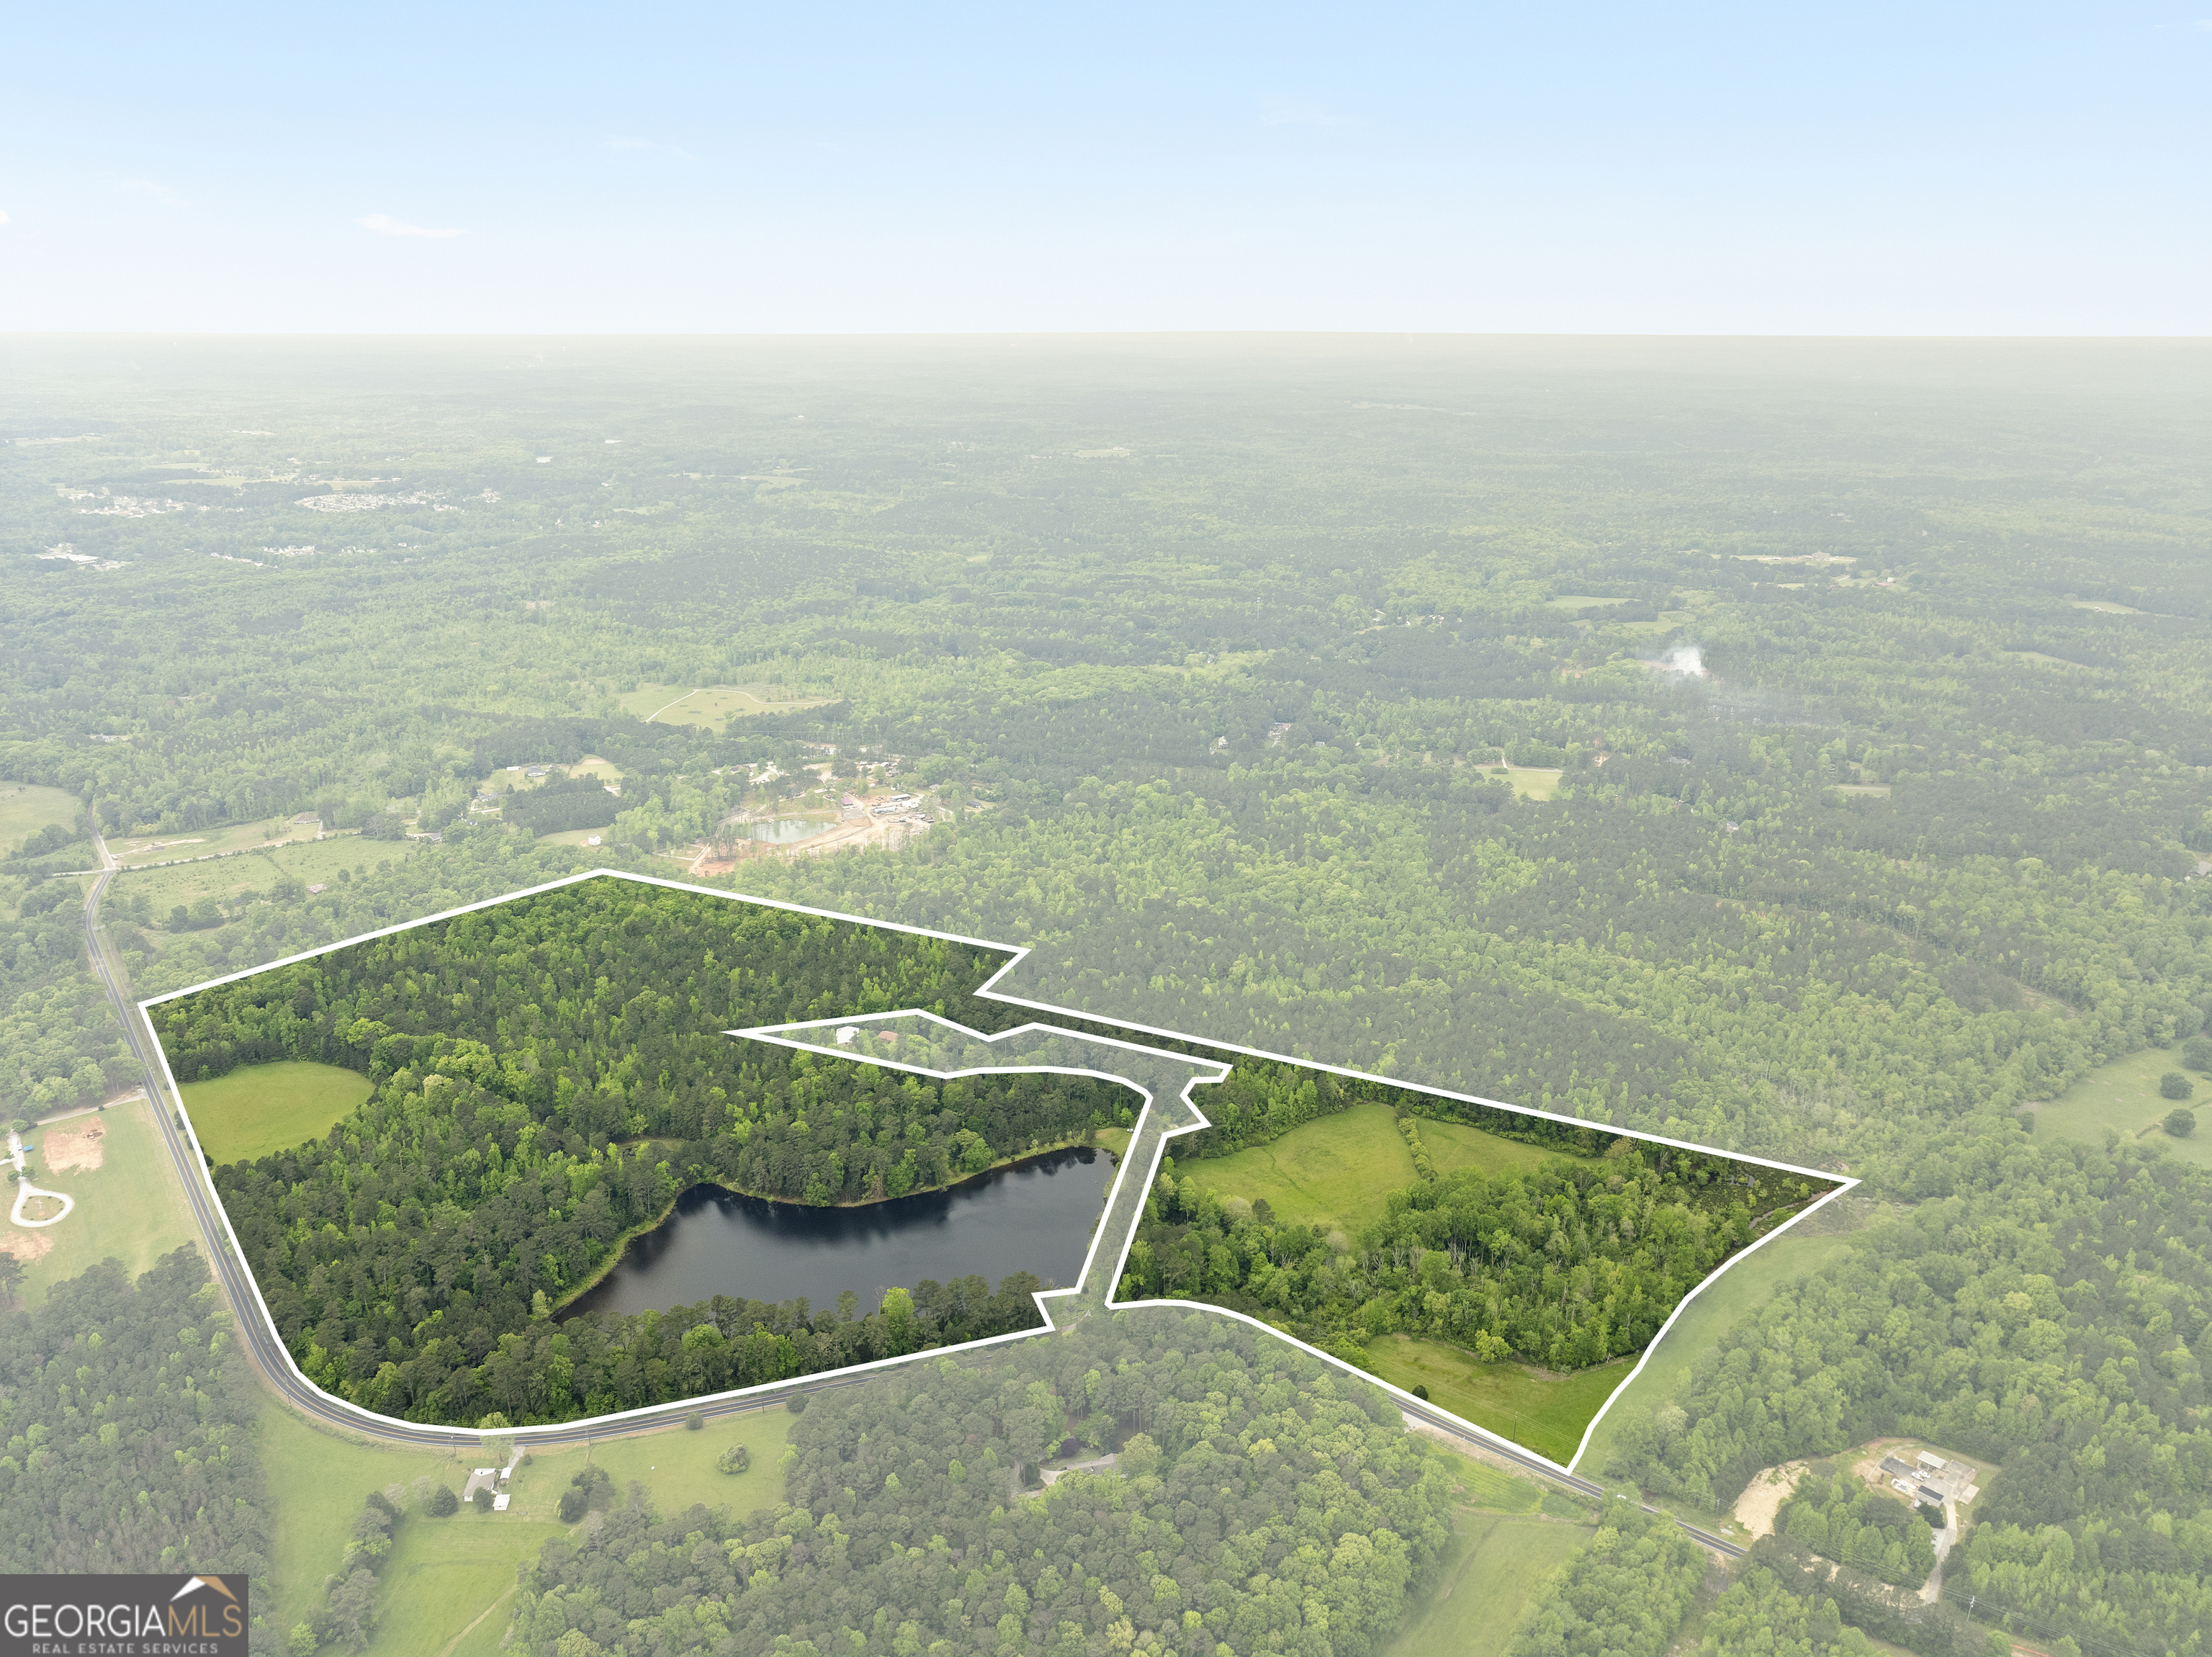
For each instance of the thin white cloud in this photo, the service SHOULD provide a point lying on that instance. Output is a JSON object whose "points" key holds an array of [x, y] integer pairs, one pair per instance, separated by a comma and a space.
{"points": [[385, 225], [3, 216], [621, 145]]}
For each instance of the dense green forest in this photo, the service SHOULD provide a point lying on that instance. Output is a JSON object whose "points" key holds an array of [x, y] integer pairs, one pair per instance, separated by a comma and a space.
{"points": [[549, 1075], [1625, 1596], [1257, 1503], [127, 1414], [2045, 1306], [1566, 1265], [1874, 675]]}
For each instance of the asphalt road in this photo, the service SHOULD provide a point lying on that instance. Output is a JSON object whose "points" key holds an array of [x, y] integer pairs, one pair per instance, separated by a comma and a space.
{"points": [[277, 1371]]}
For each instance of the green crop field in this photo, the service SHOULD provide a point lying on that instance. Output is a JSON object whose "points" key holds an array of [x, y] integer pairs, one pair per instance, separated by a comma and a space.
{"points": [[2122, 1098], [1732, 1296], [1491, 1567], [260, 1108], [26, 808], [1509, 1399], [1334, 1171], [129, 1206]]}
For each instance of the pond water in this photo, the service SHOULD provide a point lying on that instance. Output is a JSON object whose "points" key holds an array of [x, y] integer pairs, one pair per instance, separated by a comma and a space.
{"points": [[1035, 1216], [782, 831]]}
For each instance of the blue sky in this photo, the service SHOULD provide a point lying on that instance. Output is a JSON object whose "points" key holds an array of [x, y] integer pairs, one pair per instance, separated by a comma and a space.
{"points": [[2023, 169]]}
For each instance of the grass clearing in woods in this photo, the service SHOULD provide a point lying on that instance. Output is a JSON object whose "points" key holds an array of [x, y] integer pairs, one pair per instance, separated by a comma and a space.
{"points": [[2123, 1097], [1547, 1414], [1339, 1170], [27, 807], [1491, 1567], [676, 704], [258, 1109]]}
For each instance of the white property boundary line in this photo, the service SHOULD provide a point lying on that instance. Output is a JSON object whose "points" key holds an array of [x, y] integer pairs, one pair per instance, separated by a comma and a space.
{"points": [[1017, 954]]}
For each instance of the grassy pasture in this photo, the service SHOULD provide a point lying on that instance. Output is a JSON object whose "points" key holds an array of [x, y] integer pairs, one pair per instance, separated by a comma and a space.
{"points": [[1337, 1170], [140, 849], [2122, 1097], [310, 861], [445, 1574], [675, 704], [1738, 1292], [1454, 1145], [26, 808], [1333, 1171], [316, 1484], [1546, 1415], [129, 1206], [677, 1466], [1491, 1567], [260, 1108], [1529, 782]]}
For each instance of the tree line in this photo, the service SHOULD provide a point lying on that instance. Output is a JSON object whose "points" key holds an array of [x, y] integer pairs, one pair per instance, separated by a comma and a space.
{"points": [[1565, 1265], [1257, 1503]]}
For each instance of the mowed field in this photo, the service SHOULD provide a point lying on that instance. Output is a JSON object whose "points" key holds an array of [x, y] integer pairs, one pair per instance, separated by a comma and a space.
{"points": [[1337, 1170], [129, 1206], [140, 849], [1493, 1565], [1333, 1172], [1748, 1285], [1546, 1414], [310, 861], [447, 1578], [261, 1108], [2123, 1097], [26, 808], [712, 704]]}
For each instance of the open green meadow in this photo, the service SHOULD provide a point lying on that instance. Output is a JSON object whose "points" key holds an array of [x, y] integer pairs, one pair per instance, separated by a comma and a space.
{"points": [[1737, 1293], [1491, 1567], [1334, 1171], [673, 705], [129, 1206], [447, 1578], [1454, 1145], [317, 1481], [309, 862], [260, 1108], [677, 1465], [2122, 1098], [1337, 1170], [139, 849], [27, 807], [1548, 1414], [1493, 1488]]}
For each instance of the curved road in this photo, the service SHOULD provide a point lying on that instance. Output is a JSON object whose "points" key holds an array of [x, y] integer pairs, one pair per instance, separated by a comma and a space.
{"points": [[261, 1344], [270, 1357]]}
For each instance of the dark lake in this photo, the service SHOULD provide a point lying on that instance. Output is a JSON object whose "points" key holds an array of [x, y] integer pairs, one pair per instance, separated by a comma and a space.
{"points": [[1035, 1216]]}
